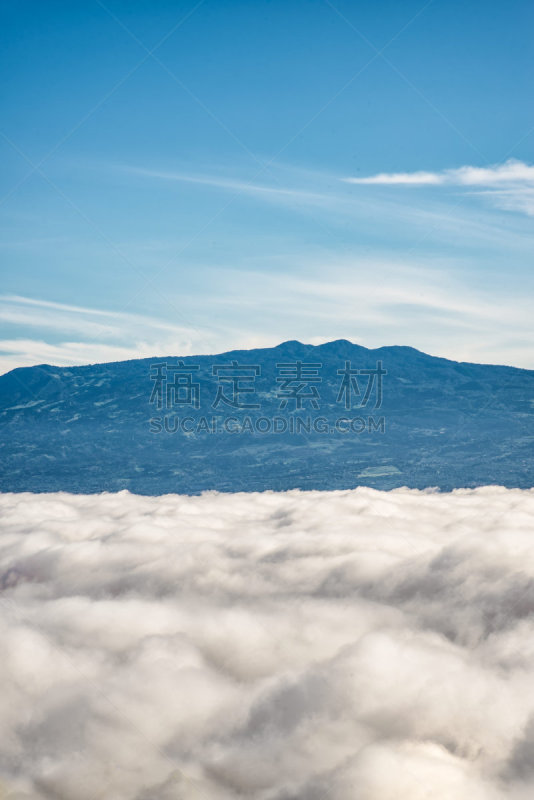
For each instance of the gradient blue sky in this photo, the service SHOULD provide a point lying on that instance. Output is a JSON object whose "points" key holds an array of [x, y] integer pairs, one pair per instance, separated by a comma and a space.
{"points": [[186, 178]]}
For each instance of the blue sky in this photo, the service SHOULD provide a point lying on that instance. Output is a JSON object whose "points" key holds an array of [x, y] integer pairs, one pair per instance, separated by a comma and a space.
{"points": [[188, 178]]}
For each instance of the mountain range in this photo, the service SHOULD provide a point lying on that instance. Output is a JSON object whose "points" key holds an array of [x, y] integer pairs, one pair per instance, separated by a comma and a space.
{"points": [[331, 416]]}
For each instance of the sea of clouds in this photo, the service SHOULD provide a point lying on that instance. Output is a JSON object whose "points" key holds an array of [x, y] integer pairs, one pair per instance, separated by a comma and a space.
{"points": [[350, 645]]}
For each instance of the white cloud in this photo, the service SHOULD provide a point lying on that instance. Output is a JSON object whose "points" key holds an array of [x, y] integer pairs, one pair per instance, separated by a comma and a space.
{"points": [[268, 646], [400, 178], [511, 171], [509, 185]]}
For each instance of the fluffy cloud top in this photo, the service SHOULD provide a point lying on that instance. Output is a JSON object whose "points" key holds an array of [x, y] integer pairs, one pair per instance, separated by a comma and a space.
{"points": [[268, 646]]}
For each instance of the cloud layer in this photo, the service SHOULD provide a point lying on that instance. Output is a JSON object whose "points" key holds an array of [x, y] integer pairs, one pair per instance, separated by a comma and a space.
{"points": [[268, 646]]}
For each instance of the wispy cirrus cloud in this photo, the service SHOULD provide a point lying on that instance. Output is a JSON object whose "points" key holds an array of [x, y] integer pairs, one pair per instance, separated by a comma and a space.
{"points": [[72, 334], [423, 303], [253, 187], [509, 185]]}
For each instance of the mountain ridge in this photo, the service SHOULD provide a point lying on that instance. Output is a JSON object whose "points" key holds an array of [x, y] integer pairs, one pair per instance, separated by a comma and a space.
{"points": [[284, 344], [92, 428]]}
